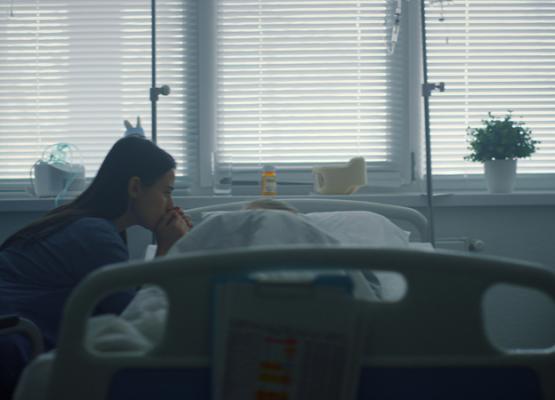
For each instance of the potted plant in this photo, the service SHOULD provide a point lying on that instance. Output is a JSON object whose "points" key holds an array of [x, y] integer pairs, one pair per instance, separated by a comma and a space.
{"points": [[498, 144]]}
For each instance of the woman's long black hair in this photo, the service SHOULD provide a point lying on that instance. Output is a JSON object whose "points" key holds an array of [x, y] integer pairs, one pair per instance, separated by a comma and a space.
{"points": [[107, 196]]}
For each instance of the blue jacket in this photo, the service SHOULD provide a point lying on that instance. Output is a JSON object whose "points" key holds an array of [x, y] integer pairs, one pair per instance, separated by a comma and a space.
{"points": [[37, 277]]}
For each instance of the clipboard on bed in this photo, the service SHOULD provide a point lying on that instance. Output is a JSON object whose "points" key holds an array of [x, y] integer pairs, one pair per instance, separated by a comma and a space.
{"points": [[285, 339]]}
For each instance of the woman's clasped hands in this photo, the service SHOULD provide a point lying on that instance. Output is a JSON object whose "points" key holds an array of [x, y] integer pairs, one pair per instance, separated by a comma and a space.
{"points": [[173, 225]]}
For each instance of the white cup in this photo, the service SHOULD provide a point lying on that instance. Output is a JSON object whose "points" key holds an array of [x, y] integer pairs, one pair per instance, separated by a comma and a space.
{"points": [[222, 176]]}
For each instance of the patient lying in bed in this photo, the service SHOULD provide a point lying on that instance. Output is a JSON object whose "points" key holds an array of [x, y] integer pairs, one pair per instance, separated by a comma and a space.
{"points": [[268, 222], [261, 223], [251, 228], [229, 229]]}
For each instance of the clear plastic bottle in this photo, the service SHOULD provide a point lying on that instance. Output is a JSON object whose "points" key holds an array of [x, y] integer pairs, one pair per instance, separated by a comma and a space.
{"points": [[269, 181]]}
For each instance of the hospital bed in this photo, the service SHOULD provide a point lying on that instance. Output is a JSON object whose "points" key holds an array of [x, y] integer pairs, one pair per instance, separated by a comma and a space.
{"points": [[432, 343]]}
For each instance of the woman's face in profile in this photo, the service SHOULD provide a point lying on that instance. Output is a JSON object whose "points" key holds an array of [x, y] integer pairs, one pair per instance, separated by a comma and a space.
{"points": [[154, 201]]}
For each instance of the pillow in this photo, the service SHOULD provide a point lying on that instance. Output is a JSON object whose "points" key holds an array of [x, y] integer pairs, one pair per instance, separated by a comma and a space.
{"points": [[362, 228]]}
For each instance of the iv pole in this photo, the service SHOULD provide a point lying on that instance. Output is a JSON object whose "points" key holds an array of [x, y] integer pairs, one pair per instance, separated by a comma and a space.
{"points": [[427, 89], [154, 91]]}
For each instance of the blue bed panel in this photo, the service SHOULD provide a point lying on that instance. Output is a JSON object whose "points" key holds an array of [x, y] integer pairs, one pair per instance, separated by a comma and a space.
{"points": [[161, 384]]}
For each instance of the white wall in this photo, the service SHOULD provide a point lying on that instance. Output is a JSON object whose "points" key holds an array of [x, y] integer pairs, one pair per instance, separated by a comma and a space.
{"points": [[522, 232]]}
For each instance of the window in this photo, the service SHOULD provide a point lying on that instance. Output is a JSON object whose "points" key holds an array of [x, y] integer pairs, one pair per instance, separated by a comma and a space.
{"points": [[300, 83], [73, 70], [293, 83], [492, 56]]}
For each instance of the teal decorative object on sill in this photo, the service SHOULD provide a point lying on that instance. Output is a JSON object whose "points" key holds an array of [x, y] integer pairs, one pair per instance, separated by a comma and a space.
{"points": [[59, 171], [498, 144]]}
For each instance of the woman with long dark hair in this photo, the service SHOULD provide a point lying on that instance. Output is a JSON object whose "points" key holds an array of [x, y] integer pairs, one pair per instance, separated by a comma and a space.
{"points": [[43, 262]]}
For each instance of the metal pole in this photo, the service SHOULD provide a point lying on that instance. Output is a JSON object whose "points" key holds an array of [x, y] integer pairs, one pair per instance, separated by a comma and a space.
{"points": [[426, 90], [153, 94]]}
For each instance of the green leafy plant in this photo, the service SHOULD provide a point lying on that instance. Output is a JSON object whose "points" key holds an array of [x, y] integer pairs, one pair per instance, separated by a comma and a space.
{"points": [[500, 139]]}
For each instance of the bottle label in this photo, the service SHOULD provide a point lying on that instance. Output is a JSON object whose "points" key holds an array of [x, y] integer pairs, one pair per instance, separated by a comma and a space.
{"points": [[269, 185]]}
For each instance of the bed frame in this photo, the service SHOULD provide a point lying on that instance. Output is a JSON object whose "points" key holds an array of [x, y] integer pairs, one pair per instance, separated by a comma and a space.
{"points": [[431, 344]]}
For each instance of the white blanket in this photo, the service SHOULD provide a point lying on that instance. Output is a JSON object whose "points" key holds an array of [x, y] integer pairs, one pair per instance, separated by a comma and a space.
{"points": [[139, 328], [253, 228], [140, 325]]}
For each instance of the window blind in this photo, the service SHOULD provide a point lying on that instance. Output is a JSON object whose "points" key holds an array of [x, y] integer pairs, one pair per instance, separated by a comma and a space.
{"points": [[493, 56], [72, 71], [308, 82]]}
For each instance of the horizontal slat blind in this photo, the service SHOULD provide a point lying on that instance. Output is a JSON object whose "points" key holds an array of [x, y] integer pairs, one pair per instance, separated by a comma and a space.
{"points": [[303, 82], [493, 56], [72, 71]]}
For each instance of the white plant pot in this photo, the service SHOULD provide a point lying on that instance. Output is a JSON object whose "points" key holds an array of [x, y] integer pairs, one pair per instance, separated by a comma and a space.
{"points": [[500, 175]]}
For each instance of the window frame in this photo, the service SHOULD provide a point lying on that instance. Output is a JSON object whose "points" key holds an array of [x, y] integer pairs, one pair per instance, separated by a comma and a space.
{"points": [[474, 181], [411, 176], [208, 121]]}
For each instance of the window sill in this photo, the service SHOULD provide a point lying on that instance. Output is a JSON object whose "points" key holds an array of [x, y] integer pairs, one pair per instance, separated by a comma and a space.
{"points": [[25, 203]]}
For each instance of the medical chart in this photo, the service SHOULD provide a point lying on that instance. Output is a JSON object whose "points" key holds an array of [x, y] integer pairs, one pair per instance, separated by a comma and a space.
{"points": [[285, 341]]}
